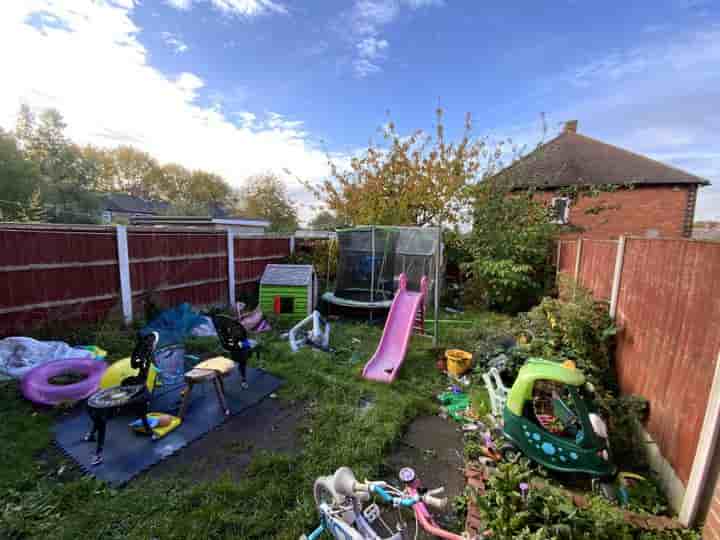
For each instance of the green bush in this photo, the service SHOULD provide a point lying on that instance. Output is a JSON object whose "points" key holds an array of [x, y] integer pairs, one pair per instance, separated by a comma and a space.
{"points": [[510, 244]]}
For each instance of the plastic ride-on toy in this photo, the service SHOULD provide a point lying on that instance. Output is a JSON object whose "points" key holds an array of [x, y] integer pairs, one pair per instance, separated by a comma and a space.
{"points": [[547, 419]]}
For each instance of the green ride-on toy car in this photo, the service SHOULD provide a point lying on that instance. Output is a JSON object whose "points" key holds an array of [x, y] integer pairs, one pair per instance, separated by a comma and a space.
{"points": [[547, 419]]}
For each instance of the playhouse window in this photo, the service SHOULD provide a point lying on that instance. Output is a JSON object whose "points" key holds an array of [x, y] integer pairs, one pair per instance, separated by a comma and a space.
{"points": [[284, 304]]}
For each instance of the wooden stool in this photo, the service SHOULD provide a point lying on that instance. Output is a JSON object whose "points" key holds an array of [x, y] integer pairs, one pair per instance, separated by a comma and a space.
{"points": [[214, 369]]}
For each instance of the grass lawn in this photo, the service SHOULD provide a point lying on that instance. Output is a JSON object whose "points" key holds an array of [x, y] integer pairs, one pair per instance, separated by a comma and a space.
{"points": [[274, 498]]}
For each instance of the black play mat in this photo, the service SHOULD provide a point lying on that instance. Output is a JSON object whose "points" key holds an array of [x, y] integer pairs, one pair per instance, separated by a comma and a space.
{"points": [[127, 453]]}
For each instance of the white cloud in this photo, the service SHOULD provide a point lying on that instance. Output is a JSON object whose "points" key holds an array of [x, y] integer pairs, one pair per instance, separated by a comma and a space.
{"points": [[179, 4], [178, 45], [371, 47], [369, 50], [95, 71], [246, 8], [366, 21]]}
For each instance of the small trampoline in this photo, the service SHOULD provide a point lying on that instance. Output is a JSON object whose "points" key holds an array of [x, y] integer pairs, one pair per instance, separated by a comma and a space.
{"points": [[371, 259]]}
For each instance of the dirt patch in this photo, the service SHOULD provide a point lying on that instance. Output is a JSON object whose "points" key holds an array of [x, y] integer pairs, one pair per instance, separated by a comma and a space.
{"points": [[433, 447], [271, 425]]}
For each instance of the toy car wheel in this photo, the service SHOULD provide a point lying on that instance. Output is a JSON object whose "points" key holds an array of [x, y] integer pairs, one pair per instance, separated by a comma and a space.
{"points": [[510, 453]]}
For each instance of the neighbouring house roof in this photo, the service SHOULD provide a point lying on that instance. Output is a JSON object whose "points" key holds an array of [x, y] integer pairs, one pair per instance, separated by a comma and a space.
{"points": [[294, 275], [199, 221], [574, 159], [122, 202]]}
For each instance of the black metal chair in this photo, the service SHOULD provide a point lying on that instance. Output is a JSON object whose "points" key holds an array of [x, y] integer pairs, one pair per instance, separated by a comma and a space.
{"points": [[131, 398], [234, 339]]}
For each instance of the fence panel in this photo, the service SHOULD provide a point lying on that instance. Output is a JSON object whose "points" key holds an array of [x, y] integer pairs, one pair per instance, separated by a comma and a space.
{"points": [[178, 266], [252, 254], [567, 252], [597, 266], [54, 275], [669, 313]]}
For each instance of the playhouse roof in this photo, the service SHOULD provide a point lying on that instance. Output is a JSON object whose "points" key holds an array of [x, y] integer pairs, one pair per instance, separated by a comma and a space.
{"points": [[294, 275]]}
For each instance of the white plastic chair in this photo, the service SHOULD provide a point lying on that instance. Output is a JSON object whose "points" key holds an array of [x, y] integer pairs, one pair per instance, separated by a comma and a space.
{"points": [[497, 391]]}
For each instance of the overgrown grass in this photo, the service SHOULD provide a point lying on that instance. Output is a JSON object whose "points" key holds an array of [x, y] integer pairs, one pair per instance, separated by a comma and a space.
{"points": [[274, 500]]}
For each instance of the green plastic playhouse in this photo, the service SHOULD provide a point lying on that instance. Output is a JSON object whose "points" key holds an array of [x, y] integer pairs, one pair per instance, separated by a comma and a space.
{"points": [[569, 443], [288, 290]]}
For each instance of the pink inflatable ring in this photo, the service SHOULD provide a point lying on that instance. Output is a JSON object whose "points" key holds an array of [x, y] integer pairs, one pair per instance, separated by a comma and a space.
{"points": [[36, 387]]}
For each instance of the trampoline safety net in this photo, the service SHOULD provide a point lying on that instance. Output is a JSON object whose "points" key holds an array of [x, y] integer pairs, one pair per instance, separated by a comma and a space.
{"points": [[371, 260]]}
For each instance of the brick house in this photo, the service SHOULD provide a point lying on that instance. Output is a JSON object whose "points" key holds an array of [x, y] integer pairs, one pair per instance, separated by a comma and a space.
{"points": [[636, 195]]}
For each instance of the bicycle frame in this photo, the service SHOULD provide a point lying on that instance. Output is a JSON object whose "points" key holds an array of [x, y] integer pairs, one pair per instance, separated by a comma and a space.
{"points": [[348, 522], [340, 530]]}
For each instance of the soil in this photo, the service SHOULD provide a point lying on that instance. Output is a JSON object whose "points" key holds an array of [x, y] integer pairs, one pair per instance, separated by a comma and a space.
{"points": [[271, 425], [432, 446]]}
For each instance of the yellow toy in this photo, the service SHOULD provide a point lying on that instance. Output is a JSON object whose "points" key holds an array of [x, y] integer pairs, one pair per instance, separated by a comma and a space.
{"points": [[160, 423], [121, 370]]}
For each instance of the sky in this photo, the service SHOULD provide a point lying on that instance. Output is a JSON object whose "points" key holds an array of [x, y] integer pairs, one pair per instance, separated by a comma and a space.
{"points": [[240, 87]]}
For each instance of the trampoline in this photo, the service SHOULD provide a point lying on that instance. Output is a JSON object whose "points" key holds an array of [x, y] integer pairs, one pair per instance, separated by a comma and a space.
{"points": [[371, 259]]}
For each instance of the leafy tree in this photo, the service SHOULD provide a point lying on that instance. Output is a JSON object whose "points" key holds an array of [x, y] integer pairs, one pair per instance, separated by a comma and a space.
{"points": [[510, 244], [265, 196], [68, 180], [414, 180], [19, 181], [325, 221]]}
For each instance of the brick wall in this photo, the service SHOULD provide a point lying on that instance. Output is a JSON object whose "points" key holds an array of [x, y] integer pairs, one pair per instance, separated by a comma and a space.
{"points": [[643, 211]]}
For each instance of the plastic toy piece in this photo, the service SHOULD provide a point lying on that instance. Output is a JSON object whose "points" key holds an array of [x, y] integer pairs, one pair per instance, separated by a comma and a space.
{"points": [[390, 354], [318, 337], [497, 391], [577, 448], [160, 423]]}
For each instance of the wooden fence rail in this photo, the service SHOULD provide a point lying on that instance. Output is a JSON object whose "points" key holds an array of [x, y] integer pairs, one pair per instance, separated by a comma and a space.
{"points": [[67, 275], [665, 297]]}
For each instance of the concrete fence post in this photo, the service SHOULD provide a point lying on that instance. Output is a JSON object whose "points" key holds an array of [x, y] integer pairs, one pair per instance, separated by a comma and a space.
{"points": [[619, 257], [231, 268], [709, 434], [124, 269], [292, 244]]}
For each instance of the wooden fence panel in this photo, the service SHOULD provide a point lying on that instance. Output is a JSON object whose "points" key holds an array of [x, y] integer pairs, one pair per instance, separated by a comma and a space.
{"points": [[178, 266], [252, 255], [53, 275], [669, 315], [567, 252], [597, 266]]}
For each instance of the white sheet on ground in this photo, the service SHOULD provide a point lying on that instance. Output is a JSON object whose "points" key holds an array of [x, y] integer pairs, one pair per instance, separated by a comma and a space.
{"points": [[18, 355]]}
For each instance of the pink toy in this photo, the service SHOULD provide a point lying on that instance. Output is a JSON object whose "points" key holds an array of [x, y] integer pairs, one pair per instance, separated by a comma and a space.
{"points": [[35, 385], [390, 354]]}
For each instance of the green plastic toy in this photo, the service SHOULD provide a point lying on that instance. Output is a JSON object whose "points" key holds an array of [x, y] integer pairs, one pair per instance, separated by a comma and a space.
{"points": [[455, 404], [563, 435]]}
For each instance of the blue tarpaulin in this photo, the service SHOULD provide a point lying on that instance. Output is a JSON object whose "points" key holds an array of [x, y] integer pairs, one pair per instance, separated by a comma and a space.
{"points": [[174, 325]]}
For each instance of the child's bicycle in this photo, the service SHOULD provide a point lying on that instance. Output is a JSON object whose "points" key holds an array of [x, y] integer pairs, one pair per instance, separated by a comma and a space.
{"points": [[340, 501]]}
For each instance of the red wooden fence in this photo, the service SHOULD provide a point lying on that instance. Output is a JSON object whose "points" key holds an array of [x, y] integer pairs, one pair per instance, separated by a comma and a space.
{"points": [[56, 274], [668, 313], [70, 274], [597, 266], [668, 310]]}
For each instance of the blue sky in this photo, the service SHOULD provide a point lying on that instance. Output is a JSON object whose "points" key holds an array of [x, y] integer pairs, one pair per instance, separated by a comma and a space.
{"points": [[241, 86]]}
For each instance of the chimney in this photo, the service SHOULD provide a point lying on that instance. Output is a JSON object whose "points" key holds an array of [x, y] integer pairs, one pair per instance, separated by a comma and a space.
{"points": [[570, 126]]}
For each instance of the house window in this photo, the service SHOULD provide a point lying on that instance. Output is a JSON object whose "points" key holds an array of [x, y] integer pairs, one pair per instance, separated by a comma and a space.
{"points": [[560, 207]]}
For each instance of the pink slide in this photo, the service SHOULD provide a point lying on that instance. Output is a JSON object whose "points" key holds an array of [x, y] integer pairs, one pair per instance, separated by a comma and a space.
{"points": [[385, 363]]}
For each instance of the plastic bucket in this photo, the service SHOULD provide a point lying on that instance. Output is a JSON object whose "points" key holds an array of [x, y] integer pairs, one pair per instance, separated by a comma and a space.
{"points": [[458, 361]]}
